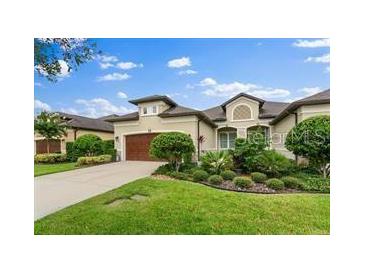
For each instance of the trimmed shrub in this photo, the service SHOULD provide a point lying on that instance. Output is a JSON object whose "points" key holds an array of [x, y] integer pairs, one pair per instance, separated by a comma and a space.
{"points": [[258, 177], [311, 139], [314, 183], [70, 152], [106, 148], [200, 175], [215, 179], [88, 145], [179, 175], [228, 175], [172, 146], [291, 182], [50, 158], [275, 184], [242, 182], [164, 169], [271, 163], [93, 160]]}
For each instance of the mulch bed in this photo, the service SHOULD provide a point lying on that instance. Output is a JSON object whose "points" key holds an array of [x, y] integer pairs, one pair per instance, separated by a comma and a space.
{"points": [[230, 186]]}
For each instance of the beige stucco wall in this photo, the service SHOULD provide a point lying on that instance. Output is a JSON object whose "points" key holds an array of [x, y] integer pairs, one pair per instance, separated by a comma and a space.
{"points": [[281, 129], [305, 112]]}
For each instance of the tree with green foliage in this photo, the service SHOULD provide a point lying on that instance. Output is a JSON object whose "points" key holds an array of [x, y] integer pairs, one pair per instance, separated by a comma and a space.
{"points": [[172, 146], [311, 139], [50, 126], [247, 148], [88, 145], [50, 54]]}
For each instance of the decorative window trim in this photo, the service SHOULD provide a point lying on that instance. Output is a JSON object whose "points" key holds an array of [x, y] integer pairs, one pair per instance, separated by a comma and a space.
{"points": [[242, 120]]}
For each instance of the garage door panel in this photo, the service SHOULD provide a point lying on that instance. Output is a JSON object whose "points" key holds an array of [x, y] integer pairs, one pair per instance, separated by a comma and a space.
{"points": [[137, 147]]}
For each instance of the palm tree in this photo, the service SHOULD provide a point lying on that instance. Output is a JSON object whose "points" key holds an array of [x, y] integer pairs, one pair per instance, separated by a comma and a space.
{"points": [[50, 126]]}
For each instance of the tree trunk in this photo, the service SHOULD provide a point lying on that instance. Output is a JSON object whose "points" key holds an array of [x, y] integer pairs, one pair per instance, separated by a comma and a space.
{"points": [[47, 141]]}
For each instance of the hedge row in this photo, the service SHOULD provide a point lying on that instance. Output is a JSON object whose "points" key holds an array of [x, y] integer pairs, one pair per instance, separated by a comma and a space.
{"points": [[50, 158], [106, 148]]}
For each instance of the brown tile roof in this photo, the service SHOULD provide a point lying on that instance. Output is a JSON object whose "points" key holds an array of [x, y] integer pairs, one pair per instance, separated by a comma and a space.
{"points": [[316, 99], [178, 111], [271, 109], [133, 116], [268, 110], [153, 98], [76, 121]]}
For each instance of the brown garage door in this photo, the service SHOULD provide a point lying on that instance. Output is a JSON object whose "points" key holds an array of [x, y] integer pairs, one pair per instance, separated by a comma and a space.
{"points": [[137, 146], [54, 146]]}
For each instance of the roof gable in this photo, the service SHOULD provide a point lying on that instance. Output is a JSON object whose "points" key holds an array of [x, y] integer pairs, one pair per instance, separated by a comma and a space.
{"points": [[260, 101]]}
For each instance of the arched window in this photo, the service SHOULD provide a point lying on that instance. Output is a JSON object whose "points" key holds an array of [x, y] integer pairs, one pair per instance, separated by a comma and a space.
{"points": [[241, 112]]}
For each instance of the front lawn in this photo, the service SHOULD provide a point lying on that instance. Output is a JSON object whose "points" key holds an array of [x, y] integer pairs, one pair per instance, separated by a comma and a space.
{"points": [[152, 206], [43, 169]]}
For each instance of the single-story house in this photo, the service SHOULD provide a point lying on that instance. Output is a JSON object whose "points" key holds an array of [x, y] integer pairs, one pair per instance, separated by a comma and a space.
{"points": [[77, 126], [219, 125]]}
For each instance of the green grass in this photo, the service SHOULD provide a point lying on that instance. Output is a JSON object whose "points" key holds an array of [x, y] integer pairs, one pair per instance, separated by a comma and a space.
{"points": [[181, 207], [43, 169]]}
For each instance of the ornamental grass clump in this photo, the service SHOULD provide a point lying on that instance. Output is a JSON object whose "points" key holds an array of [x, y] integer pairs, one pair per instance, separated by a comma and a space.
{"points": [[200, 175], [275, 184], [243, 182], [215, 179], [228, 175], [258, 177]]}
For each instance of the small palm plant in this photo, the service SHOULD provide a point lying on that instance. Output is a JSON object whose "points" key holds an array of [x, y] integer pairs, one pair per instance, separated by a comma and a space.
{"points": [[50, 126], [217, 161]]}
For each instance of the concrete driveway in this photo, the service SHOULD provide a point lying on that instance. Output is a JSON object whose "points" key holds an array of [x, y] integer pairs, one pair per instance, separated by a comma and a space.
{"points": [[56, 191]]}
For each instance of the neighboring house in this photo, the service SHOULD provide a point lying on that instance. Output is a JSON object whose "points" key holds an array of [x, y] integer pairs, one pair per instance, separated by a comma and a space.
{"points": [[78, 126], [219, 125]]}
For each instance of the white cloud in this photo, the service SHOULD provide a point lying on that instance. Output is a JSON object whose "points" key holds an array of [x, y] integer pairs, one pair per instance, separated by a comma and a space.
{"points": [[107, 58], [37, 84], [319, 43], [41, 105], [328, 69], [128, 65], [70, 111], [187, 72], [208, 82], [114, 77], [122, 95], [319, 59], [179, 63], [106, 65], [231, 89], [176, 94], [310, 90], [106, 61], [98, 107], [270, 93]]}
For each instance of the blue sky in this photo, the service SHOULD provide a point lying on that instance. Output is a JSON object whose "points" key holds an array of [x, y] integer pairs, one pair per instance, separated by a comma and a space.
{"points": [[197, 73]]}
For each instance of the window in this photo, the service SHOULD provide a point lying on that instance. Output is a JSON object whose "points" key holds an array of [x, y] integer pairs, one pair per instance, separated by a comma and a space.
{"points": [[227, 140], [241, 112], [150, 110]]}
